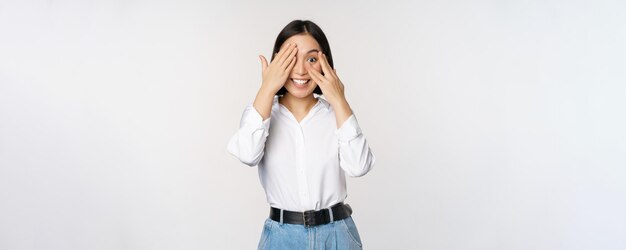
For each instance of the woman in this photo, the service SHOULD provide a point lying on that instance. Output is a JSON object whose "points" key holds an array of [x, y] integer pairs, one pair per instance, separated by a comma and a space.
{"points": [[311, 144]]}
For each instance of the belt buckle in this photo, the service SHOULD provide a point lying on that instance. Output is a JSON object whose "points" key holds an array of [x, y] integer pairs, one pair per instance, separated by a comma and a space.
{"points": [[308, 217]]}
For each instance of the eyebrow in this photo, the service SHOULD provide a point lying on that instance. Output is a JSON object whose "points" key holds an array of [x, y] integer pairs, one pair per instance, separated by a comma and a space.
{"points": [[313, 50]]}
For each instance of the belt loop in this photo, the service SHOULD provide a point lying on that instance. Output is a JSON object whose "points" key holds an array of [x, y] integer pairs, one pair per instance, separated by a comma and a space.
{"points": [[330, 211], [281, 216]]}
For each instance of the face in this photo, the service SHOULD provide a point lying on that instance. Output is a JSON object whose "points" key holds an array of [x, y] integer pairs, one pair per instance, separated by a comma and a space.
{"points": [[299, 84]]}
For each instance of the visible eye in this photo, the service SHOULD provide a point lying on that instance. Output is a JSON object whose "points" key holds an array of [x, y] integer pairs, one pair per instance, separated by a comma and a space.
{"points": [[311, 59]]}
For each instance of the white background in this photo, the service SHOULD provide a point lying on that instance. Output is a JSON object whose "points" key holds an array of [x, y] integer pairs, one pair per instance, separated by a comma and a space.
{"points": [[496, 124]]}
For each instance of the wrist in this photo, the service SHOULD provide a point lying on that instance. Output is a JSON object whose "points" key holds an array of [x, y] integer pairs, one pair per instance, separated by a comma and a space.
{"points": [[339, 102], [265, 92]]}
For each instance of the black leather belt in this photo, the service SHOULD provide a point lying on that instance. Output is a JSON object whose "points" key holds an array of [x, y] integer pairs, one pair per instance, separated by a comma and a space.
{"points": [[308, 218]]}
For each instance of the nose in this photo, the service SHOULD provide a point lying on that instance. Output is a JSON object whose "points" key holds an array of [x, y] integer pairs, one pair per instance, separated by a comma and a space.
{"points": [[299, 68]]}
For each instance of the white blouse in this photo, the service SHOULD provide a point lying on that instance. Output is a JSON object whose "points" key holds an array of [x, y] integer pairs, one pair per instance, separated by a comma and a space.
{"points": [[302, 166]]}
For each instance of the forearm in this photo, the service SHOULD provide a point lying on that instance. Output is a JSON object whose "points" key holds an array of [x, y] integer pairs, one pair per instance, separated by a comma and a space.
{"points": [[342, 111], [263, 103], [355, 156]]}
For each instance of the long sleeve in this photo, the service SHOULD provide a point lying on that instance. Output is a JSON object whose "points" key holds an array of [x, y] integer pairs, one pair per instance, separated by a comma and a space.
{"points": [[248, 144], [355, 156]]}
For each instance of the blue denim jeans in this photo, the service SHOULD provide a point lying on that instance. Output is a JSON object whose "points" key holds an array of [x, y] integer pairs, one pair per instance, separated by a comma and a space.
{"points": [[337, 235]]}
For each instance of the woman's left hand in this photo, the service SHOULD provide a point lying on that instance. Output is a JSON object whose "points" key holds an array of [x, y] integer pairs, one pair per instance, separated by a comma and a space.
{"points": [[332, 89], [331, 86]]}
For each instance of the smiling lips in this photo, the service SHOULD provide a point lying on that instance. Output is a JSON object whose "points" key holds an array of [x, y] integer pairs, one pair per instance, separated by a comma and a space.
{"points": [[300, 82]]}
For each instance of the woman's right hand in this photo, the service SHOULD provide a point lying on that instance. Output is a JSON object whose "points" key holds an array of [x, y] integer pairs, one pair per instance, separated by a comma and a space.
{"points": [[276, 73]]}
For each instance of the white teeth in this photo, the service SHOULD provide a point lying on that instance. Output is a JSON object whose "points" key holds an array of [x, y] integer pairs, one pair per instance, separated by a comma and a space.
{"points": [[300, 82]]}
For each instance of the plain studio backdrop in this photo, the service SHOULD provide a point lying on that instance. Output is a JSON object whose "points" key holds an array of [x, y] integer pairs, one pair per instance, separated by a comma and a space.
{"points": [[496, 124]]}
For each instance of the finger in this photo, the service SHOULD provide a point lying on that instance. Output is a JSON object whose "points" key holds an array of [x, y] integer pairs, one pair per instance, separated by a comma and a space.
{"points": [[282, 54], [291, 56], [291, 64], [326, 67], [334, 72], [263, 62], [317, 77]]}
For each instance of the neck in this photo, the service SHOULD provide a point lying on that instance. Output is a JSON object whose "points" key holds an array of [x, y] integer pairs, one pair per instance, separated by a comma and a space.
{"points": [[298, 105]]}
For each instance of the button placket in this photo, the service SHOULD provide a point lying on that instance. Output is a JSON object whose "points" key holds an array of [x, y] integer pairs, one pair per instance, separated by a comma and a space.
{"points": [[301, 168]]}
